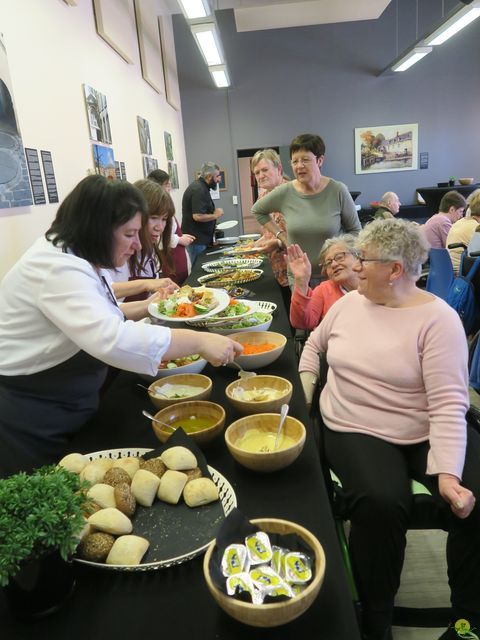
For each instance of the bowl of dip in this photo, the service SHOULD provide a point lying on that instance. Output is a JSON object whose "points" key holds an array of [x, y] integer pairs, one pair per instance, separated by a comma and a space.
{"points": [[251, 441], [179, 388], [200, 419], [259, 394]]}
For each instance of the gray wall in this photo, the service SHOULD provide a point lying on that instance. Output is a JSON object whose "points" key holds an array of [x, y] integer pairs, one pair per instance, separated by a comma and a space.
{"points": [[322, 79]]}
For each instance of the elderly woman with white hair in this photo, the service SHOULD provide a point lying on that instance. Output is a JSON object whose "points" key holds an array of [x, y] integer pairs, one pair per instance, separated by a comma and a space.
{"points": [[394, 408]]}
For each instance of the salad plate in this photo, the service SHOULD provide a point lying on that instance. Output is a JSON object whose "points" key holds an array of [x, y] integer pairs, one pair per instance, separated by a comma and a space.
{"points": [[228, 224], [242, 263], [190, 303], [236, 309]]}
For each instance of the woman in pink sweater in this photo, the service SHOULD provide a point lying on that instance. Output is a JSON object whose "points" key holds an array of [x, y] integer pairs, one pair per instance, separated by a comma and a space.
{"points": [[308, 307], [394, 408]]}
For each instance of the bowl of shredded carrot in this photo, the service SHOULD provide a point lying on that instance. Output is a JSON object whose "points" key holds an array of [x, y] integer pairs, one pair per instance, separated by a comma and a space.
{"points": [[260, 348]]}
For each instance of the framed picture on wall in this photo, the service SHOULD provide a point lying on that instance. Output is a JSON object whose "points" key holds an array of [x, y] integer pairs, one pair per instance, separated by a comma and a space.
{"points": [[97, 113], [222, 185], [104, 161], [386, 148], [173, 173], [168, 145], [144, 136]]}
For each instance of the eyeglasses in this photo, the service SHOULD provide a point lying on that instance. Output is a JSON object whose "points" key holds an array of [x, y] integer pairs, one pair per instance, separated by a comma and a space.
{"points": [[338, 257], [363, 260], [303, 161]]}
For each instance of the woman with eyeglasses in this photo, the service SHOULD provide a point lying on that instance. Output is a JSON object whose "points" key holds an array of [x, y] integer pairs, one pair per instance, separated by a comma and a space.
{"points": [[60, 325], [393, 408], [337, 258], [314, 207]]}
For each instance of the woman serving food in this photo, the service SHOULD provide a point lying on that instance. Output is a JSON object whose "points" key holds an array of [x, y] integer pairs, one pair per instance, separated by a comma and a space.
{"points": [[60, 324], [394, 409]]}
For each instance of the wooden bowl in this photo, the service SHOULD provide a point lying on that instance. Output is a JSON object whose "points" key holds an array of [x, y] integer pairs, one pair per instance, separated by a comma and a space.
{"points": [[247, 407], [203, 384], [270, 460], [465, 181], [278, 613], [183, 410], [259, 360], [193, 367]]}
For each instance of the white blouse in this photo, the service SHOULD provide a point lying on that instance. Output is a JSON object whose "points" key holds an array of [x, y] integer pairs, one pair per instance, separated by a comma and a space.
{"points": [[54, 304]]}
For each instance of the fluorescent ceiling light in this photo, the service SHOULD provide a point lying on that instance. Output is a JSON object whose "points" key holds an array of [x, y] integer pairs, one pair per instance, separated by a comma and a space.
{"points": [[195, 8], [454, 24], [410, 58], [208, 40], [220, 75]]}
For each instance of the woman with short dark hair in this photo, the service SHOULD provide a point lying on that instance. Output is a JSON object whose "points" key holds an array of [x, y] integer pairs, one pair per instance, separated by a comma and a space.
{"points": [[60, 325]]}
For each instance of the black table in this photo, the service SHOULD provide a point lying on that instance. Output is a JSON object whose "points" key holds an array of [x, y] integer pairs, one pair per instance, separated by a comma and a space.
{"points": [[174, 602], [433, 195]]}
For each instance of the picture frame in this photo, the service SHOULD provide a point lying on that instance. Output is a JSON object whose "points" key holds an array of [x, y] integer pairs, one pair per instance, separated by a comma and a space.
{"points": [[104, 161], [383, 148], [222, 185], [168, 145], [97, 114], [144, 136]]}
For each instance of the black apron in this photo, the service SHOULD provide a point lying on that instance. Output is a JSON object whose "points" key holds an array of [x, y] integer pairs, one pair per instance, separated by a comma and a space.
{"points": [[40, 412]]}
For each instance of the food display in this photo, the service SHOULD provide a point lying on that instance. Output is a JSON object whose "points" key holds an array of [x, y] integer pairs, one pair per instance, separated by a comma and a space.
{"points": [[188, 303], [176, 391], [119, 531], [234, 277], [227, 263], [257, 347]]}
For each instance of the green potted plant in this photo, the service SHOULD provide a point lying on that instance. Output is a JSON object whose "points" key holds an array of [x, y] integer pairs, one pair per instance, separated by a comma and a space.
{"points": [[41, 517], [451, 181]]}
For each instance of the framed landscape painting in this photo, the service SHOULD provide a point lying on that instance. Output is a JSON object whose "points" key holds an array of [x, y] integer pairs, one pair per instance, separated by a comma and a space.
{"points": [[386, 148]]}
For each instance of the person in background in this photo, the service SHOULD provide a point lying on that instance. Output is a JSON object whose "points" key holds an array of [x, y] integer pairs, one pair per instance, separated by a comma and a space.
{"points": [[60, 325], [394, 407], [140, 275], [266, 166], [199, 214], [452, 207], [337, 257], [463, 230], [389, 206], [314, 207], [178, 241]]}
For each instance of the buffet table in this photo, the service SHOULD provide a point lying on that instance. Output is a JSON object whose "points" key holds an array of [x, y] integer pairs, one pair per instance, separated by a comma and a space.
{"points": [[174, 602], [433, 195]]}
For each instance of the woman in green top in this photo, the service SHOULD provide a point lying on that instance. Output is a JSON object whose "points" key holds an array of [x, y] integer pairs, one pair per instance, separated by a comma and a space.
{"points": [[314, 207]]}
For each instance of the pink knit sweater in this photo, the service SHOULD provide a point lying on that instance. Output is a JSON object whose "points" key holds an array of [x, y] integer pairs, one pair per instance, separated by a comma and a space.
{"points": [[306, 312], [395, 373]]}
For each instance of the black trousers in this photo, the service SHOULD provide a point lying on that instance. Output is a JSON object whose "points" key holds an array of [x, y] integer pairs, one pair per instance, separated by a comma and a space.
{"points": [[376, 475]]}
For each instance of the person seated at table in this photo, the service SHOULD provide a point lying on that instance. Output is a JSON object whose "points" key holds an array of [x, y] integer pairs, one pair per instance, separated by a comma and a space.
{"points": [[178, 239], [389, 206], [452, 207], [140, 275], [394, 407], [60, 325], [337, 257], [462, 231]]}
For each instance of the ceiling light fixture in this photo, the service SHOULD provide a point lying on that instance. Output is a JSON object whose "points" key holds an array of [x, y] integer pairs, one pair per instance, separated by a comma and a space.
{"points": [[453, 24], [208, 41], [220, 75], [194, 9], [410, 58]]}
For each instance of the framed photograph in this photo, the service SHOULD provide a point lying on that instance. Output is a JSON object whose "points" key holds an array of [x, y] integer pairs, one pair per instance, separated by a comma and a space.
{"points": [[173, 173], [386, 148], [222, 185], [144, 136], [168, 145], [149, 164], [97, 113], [104, 161], [115, 22]]}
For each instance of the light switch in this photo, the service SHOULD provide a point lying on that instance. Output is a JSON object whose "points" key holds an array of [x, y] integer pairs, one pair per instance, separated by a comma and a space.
{"points": [[235, 199]]}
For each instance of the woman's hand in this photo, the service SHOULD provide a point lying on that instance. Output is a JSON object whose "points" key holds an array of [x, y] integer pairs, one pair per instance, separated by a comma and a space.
{"points": [[460, 499], [163, 286], [186, 239], [299, 265], [266, 244], [218, 350]]}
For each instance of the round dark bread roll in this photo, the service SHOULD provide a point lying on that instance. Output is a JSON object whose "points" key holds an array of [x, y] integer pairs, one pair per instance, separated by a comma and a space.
{"points": [[154, 465], [115, 476], [193, 474], [124, 499], [95, 546]]}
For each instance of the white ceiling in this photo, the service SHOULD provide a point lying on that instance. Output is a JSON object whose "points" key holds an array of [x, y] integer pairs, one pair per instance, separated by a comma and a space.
{"points": [[255, 15]]}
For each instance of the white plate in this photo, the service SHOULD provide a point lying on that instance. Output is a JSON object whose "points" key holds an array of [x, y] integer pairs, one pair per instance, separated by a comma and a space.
{"points": [[222, 297], [232, 240], [264, 306], [228, 224], [250, 236], [228, 501], [239, 263]]}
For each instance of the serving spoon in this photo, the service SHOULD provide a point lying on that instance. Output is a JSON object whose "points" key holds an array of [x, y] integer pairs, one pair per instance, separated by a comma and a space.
{"points": [[164, 424], [283, 415], [157, 391], [242, 373]]}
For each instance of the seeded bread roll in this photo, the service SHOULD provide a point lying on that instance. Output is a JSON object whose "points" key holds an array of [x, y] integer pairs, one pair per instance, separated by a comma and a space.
{"points": [[115, 476], [171, 486], [179, 458], [124, 499], [155, 465], [112, 521], [128, 550], [95, 547], [130, 465], [199, 492], [144, 487], [192, 474], [102, 494]]}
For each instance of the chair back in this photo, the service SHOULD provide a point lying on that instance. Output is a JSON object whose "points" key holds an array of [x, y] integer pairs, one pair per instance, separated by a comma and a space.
{"points": [[441, 275]]}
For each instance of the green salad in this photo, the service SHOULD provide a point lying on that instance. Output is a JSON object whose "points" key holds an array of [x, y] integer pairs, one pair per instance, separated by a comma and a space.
{"points": [[251, 320], [235, 308]]}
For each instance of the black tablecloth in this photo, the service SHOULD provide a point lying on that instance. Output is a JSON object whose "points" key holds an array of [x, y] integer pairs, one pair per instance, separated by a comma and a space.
{"points": [[174, 602], [433, 195]]}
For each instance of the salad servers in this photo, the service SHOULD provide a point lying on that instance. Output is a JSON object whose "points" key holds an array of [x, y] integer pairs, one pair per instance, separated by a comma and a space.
{"points": [[164, 424], [242, 373]]}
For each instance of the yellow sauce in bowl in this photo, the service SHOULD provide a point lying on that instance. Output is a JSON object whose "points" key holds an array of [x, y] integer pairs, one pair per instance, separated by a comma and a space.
{"points": [[255, 441], [193, 424]]}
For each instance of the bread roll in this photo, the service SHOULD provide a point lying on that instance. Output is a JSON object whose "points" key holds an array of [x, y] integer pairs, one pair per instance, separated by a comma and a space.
{"points": [[171, 486], [111, 521], [96, 547], [144, 487], [73, 462], [200, 491], [128, 550], [155, 465], [124, 499], [102, 494], [193, 473], [93, 472], [115, 476], [131, 465], [179, 458]]}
